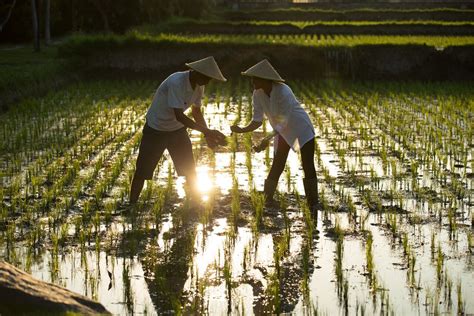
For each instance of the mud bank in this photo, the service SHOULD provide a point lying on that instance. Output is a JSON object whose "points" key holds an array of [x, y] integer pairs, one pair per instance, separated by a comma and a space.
{"points": [[22, 294]]}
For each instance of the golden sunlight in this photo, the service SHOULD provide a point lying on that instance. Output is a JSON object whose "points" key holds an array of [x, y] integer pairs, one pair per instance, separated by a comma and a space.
{"points": [[205, 181]]}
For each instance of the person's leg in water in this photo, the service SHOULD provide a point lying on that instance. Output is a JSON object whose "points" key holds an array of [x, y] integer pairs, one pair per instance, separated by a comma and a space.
{"points": [[136, 188], [151, 150], [278, 165], [181, 152], [310, 181]]}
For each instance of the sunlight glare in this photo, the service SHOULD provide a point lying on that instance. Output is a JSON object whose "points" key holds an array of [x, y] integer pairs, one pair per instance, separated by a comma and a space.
{"points": [[204, 180]]}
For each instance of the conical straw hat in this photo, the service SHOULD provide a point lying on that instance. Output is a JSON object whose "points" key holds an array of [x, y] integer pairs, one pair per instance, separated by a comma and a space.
{"points": [[208, 67], [263, 70]]}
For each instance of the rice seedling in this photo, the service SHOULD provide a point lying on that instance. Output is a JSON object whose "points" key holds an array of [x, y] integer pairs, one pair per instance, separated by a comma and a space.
{"points": [[127, 289], [228, 279], [281, 248], [448, 288], [108, 212], [439, 263], [158, 206], [392, 224], [63, 234], [258, 202], [309, 220], [405, 245], [169, 182], [452, 223], [470, 240], [411, 260], [305, 264], [283, 204], [235, 203], [370, 266], [338, 268], [248, 155]]}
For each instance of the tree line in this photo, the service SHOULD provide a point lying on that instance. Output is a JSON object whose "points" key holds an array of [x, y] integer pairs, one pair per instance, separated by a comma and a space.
{"points": [[38, 20]]}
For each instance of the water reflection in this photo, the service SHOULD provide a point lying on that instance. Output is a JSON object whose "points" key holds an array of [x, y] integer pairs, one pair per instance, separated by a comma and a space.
{"points": [[117, 282], [166, 267]]}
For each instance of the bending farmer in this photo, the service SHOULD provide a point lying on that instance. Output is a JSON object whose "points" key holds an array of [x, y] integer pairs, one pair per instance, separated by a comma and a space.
{"points": [[166, 124], [292, 126]]}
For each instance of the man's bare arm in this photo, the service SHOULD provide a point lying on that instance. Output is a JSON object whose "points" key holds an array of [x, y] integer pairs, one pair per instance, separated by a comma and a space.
{"points": [[186, 121], [213, 137], [197, 115]]}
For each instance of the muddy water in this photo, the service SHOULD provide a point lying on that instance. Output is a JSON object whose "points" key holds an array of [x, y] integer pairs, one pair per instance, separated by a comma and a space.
{"points": [[213, 267]]}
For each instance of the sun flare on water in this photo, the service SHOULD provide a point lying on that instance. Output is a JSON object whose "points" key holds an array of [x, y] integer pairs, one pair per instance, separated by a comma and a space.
{"points": [[204, 182]]}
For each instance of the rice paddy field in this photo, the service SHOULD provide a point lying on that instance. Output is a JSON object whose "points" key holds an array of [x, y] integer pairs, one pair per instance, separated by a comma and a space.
{"points": [[394, 237]]}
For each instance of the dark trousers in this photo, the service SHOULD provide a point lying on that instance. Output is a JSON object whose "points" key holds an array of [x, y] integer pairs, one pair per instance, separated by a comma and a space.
{"points": [[154, 143], [281, 154]]}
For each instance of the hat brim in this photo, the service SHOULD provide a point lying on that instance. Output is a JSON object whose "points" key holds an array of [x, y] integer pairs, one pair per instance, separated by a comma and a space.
{"points": [[223, 79], [262, 77]]}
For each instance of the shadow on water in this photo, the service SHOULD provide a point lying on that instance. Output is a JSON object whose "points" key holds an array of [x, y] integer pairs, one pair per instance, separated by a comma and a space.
{"points": [[189, 265], [165, 252]]}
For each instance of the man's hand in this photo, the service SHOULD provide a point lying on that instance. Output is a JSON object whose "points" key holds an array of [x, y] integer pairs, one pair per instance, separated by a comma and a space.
{"points": [[215, 138], [236, 129], [211, 142], [263, 144]]}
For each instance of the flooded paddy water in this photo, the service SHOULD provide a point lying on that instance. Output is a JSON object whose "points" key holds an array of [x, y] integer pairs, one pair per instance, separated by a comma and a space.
{"points": [[395, 236]]}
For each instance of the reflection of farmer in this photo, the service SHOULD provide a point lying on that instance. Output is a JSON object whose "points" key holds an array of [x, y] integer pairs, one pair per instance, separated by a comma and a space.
{"points": [[166, 123], [290, 123]]}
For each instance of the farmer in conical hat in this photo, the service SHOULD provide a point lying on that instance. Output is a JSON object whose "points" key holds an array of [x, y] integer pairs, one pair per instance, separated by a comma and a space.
{"points": [[166, 124], [291, 124]]}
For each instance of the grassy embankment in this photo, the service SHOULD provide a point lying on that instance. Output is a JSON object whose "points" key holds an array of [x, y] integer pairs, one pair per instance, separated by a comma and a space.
{"points": [[25, 72]]}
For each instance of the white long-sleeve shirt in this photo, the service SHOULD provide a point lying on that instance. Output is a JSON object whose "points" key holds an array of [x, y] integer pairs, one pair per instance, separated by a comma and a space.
{"points": [[285, 114]]}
